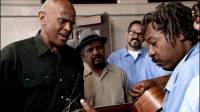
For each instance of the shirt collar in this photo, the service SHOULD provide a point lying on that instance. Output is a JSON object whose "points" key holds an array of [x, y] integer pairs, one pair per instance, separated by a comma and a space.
{"points": [[88, 70], [41, 45], [174, 75], [141, 52], [125, 52]]}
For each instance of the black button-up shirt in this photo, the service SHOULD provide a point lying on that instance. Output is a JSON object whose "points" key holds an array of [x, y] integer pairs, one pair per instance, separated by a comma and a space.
{"points": [[34, 79]]}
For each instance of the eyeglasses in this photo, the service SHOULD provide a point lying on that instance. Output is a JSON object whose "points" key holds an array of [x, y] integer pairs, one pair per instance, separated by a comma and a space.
{"points": [[195, 15], [134, 33]]}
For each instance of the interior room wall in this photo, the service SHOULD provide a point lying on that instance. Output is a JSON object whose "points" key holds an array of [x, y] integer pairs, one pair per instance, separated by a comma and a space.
{"points": [[19, 21]]}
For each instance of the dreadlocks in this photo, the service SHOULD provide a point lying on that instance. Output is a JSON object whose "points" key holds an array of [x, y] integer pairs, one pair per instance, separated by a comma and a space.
{"points": [[172, 19]]}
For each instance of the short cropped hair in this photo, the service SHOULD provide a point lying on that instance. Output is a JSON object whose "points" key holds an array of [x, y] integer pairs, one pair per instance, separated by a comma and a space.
{"points": [[134, 22]]}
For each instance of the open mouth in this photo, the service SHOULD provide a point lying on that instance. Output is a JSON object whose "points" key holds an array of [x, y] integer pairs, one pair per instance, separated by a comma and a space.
{"points": [[63, 36], [135, 42]]}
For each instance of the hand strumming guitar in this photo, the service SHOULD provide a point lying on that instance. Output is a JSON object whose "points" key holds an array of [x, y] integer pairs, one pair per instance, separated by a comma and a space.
{"points": [[139, 88]]}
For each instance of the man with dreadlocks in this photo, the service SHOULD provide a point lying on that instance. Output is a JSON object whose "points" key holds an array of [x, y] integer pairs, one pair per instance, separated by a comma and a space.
{"points": [[174, 46]]}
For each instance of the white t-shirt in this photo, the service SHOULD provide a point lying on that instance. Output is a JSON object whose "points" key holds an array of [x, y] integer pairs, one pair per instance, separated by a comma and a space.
{"points": [[134, 54]]}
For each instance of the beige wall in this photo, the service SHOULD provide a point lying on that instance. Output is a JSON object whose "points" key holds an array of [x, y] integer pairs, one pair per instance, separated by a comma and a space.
{"points": [[19, 21]]}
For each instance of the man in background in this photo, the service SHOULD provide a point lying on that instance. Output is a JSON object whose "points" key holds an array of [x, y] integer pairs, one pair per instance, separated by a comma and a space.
{"points": [[130, 58], [104, 84], [133, 58], [196, 16]]}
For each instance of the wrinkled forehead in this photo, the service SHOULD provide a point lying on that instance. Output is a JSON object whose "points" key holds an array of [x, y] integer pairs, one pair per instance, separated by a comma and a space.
{"points": [[150, 31]]}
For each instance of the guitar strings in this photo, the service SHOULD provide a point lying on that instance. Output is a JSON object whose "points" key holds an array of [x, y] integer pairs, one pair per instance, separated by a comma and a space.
{"points": [[69, 102], [67, 106]]}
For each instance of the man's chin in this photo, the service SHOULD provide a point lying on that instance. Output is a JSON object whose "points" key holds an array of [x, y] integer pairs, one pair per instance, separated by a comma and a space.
{"points": [[166, 68], [61, 44], [136, 47], [158, 64], [99, 64]]}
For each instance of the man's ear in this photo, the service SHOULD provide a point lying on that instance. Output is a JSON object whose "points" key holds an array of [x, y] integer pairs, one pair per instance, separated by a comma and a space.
{"points": [[82, 56], [41, 16], [181, 37], [81, 53]]}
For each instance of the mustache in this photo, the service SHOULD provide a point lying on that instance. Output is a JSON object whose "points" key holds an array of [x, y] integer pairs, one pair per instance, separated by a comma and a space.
{"points": [[97, 56], [155, 60], [136, 39]]}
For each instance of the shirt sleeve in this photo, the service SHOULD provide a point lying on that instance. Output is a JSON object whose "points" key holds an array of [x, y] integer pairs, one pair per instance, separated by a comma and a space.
{"points": [[191, 99], [126, 89], [151, 70], [8, 67]]}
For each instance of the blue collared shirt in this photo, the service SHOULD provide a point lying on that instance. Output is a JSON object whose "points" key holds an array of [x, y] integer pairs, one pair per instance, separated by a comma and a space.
{"points": [[191, 100], [150, 70], [180, 79], [131, 66]]}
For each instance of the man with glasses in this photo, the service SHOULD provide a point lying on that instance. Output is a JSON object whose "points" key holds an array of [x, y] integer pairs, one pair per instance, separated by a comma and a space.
{"points": [[196, 16], [133, 58], [130, 57]]}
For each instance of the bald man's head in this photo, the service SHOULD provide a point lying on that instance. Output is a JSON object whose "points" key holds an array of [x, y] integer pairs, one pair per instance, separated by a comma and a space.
{"points": [[52, 5], [57, 18]]}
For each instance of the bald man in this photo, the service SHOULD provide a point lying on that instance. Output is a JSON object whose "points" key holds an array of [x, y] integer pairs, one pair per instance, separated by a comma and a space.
{"points": [[42, 73]]}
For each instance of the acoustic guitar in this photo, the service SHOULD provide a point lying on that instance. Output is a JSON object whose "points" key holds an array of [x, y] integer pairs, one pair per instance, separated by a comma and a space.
{"points": [[150, 101]]}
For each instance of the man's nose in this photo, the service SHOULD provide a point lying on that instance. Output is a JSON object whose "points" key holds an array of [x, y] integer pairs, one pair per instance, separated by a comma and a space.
{"points": [[151, 51], [95, 51], [68, 26]]}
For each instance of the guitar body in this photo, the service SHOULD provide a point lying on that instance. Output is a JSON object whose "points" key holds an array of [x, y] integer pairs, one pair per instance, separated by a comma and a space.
{"points": [[150, 101]]}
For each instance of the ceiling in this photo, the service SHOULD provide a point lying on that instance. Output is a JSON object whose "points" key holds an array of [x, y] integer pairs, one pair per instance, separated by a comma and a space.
{"points": [[113, 1], [91, 1], [151, 1]]}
